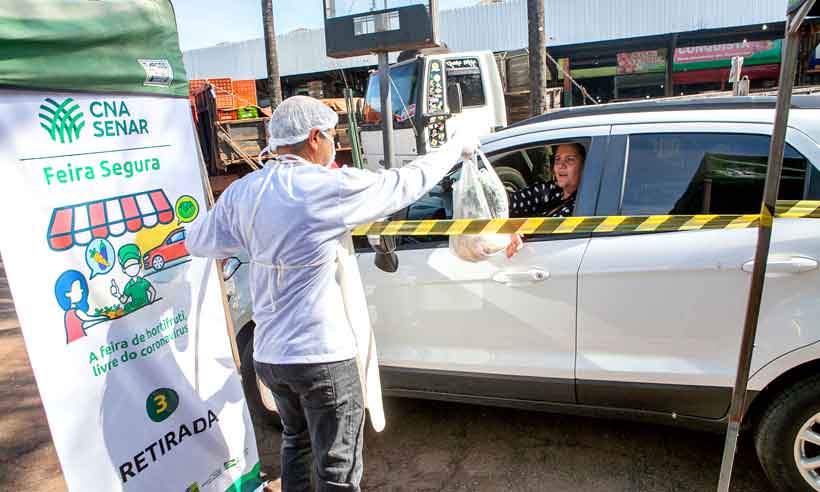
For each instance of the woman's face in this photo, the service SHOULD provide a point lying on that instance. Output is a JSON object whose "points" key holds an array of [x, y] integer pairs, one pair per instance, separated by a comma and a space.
{"points": [[568, 167], [75, 294]]}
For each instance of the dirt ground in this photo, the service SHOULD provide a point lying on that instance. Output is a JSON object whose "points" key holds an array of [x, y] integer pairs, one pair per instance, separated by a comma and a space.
{"points": [[427, 446]]}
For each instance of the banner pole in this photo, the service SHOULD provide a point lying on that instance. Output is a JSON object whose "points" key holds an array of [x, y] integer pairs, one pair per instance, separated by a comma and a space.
{"points": [[209, 195], [764, 236]]}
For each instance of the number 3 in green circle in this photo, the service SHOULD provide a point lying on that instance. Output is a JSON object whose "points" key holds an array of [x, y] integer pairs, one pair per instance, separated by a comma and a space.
{"points": [[161, 403]]}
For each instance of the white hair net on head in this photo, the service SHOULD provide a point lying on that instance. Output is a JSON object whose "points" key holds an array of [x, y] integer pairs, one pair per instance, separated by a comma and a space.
{"points": [[293, 120]]}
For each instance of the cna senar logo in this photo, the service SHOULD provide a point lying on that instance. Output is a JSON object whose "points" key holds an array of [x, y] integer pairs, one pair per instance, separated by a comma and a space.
{"points": [[64, 121]]}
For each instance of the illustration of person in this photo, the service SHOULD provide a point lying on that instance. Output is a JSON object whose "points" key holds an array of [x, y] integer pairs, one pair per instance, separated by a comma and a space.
{"points": [[138, 292], [71, 292]]}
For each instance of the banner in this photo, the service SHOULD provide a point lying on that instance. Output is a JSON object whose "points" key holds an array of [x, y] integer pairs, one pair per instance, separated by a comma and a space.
{"points": [[99, 177], [720, 55], [125, 331], [642, 62]]}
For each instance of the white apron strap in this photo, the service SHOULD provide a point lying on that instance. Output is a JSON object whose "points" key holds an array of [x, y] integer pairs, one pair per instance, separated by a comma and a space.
{"points": [[279, 267]]}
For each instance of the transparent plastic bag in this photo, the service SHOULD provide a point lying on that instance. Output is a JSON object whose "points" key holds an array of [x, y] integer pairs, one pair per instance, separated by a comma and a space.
{"points": [[479, 194]]}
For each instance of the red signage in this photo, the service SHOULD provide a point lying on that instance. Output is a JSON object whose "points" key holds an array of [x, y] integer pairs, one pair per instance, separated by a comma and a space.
{"points": [[641, 62]]}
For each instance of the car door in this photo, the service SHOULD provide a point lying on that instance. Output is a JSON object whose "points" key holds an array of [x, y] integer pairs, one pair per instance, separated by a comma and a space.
{"points": [[498, 328], [660, 315]]}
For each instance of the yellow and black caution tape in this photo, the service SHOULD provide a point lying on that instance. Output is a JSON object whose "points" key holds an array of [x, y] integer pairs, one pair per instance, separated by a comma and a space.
{"points": [[798, 209], [593, 225]]}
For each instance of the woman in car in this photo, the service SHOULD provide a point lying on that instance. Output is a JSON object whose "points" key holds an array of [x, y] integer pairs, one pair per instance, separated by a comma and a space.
{"points": [[556, 197]]}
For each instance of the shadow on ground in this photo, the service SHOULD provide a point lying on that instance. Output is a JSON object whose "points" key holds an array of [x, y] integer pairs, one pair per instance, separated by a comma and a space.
{"points": [[438, 446]]}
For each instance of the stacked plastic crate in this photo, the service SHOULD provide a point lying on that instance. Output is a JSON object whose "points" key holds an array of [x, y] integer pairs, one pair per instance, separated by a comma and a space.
{"points": [[225, 104]]}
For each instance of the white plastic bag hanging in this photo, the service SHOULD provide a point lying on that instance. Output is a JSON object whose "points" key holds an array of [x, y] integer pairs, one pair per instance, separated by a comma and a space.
{"points": [[479, 194]]}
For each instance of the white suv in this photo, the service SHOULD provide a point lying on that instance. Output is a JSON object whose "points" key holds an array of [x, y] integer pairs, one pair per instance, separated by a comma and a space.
{"points": [[636, 325]]}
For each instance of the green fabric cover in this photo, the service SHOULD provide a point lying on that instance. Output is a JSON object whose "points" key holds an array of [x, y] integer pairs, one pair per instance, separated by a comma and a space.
{"points": [[90, 45]]}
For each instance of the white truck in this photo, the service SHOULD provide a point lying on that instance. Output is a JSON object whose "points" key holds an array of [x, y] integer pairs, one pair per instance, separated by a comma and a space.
{"points": [[434, 96]]}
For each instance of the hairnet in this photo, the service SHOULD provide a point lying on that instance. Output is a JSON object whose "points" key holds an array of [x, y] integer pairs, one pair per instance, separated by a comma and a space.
{"points": [[295, 117]]}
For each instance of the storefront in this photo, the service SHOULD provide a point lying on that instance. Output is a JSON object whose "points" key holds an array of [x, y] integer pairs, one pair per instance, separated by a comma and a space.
{"points": [[640, 68], [696, 69]]}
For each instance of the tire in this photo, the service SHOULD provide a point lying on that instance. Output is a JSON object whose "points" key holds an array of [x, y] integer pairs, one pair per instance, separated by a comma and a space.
{"points": [[260, 413], [512, 178], [157, 263], [776, 436]]}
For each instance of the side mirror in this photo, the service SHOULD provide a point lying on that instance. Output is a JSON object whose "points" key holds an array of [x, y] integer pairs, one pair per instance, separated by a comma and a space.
{"points": [[454, 98], [386, 258], [230, 267]]}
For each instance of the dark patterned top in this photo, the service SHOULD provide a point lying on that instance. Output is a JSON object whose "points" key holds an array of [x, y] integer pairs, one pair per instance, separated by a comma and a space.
{"points": [[543, 199]]}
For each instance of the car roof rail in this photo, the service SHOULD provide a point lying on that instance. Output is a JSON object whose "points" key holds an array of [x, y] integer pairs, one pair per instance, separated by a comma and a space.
{"points": [[653, 105]]}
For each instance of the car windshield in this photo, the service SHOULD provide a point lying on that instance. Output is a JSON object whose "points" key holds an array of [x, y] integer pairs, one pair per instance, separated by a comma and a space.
{"points": [[403, 94]]}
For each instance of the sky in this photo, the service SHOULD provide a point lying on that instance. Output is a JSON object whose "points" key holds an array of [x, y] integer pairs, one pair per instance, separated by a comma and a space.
{"points": [[204, 23]]}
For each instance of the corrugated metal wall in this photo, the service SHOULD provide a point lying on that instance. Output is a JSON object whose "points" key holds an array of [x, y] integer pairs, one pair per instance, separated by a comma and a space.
{"points": [[300, 52], [498, 27], [494, 27], [572, 21]]}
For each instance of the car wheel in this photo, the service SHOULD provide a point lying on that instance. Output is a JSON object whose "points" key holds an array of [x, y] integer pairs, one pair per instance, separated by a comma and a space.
{"points": [[787, 438], [259, 398], [157, 263], [512, 178]]}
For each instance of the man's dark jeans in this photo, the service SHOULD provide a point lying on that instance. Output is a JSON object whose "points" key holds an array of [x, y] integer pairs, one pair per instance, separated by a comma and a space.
{"points": [[322, 409]]}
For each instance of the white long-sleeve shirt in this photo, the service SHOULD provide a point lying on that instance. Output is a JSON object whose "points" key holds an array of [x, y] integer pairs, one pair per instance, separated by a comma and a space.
{"points": [[304, 211]]}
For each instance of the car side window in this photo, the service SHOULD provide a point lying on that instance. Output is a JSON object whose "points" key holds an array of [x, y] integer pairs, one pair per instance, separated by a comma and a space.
{"points": [[179, 236], [519, 169], [705, 173]]}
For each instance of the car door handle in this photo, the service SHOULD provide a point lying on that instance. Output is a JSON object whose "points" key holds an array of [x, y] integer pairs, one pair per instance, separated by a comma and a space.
{"points": [[789, 264], [532, 275]]}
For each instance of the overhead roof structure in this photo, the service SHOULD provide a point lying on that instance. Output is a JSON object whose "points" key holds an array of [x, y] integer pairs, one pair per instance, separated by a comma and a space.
{"points": [[502, 27]]}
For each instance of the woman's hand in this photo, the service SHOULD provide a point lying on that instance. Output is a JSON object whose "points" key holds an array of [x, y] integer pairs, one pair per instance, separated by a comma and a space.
{"points": [[516, 243]]}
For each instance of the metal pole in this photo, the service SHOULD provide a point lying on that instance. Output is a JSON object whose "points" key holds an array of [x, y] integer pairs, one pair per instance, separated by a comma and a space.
{"points": [[353, 128], [387, 109], [669, 80], [538, 57], [764, 235], [274, 83]]}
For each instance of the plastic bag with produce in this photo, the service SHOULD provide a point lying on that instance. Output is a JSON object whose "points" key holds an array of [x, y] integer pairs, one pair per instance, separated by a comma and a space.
{"points": [[479, 194]]}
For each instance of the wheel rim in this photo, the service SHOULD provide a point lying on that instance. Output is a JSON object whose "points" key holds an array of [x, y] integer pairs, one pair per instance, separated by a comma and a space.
{"points": [[158, 263], [807, 451]]}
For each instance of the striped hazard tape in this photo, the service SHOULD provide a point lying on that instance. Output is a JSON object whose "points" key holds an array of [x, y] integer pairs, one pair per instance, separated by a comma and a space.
{"points": [[593, 225]]}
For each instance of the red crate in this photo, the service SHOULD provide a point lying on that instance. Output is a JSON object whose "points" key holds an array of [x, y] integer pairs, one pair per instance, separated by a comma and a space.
{"points": [[222, 114], [195, 85], [224, 93], [244, 92]]}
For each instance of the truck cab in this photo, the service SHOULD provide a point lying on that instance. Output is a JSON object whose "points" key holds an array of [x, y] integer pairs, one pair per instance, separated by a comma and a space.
{"points": [[433, 96]]}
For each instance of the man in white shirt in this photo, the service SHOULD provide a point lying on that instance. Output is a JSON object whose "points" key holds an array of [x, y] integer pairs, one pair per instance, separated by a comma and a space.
{"points": [[290, 217]]}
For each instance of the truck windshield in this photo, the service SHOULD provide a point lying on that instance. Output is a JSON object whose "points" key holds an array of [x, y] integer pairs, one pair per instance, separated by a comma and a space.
{"points": [[403, 94]]}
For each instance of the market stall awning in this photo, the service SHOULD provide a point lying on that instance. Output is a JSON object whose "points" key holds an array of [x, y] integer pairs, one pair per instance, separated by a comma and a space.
{"points": [[78, 225]]}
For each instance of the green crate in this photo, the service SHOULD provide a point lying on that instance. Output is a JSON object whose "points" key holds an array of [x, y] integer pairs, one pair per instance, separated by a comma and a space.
{"points": [[246, 112]]}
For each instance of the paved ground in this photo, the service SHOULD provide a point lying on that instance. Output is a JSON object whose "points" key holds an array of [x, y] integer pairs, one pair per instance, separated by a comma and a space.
{"points": [[428, 446]]}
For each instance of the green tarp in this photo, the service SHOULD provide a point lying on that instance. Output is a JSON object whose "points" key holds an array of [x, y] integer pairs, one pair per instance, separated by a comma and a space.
{"points": [[91, 45]]}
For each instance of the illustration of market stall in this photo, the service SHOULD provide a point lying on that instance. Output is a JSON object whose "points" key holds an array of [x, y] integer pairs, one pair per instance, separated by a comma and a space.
{"points": [[153, 241]]}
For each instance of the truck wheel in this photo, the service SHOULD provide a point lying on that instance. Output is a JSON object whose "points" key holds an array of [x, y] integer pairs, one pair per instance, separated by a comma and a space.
{"points": [[262, 408], [512, 178], [787, 438]]}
